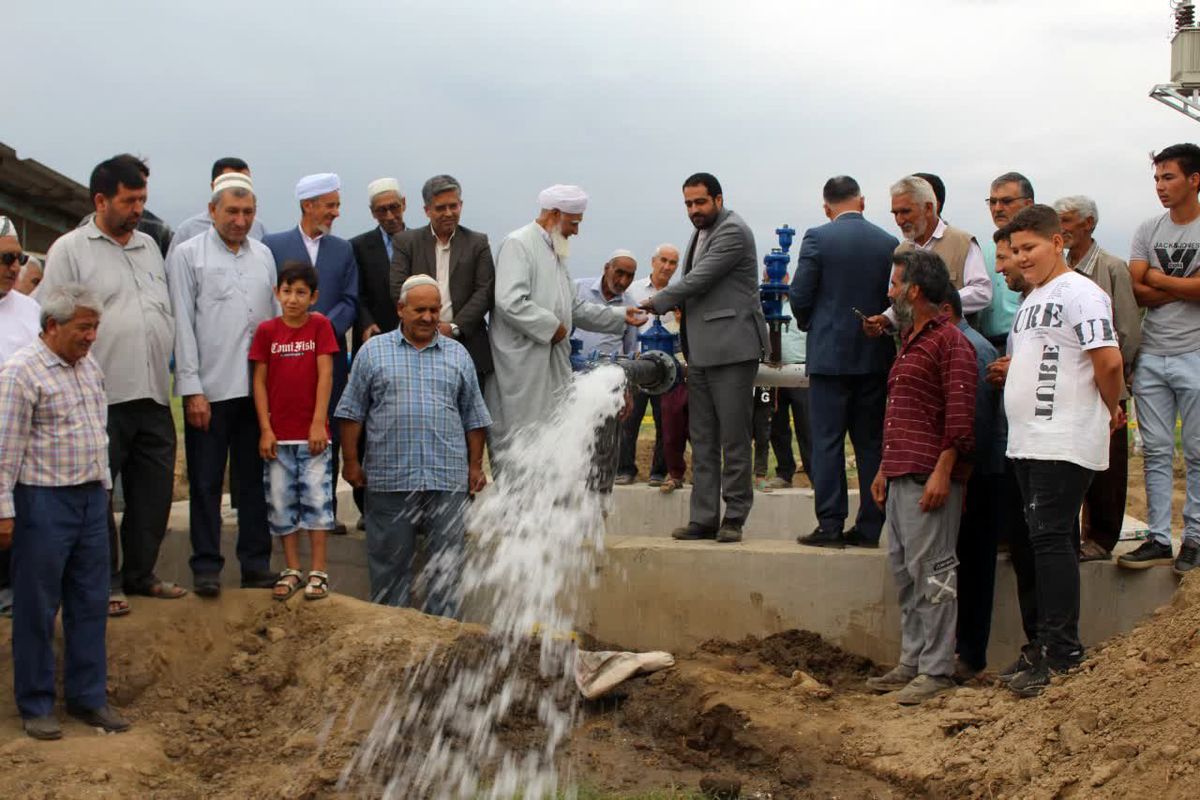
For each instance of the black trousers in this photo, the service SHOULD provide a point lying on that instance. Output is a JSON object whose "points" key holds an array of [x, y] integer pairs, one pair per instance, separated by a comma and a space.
{"points": [[764, 410], [1052, 493], [1104, 506], [791, 413], [627, 461], [141, 453], [233, 429], [977, 535], [841, 404]]}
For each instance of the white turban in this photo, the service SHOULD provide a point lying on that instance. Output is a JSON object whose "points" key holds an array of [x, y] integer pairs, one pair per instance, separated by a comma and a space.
{"points": [[316, 185], [383, 185], [415, 281], [232, 180], [560, 197], [7, 228]]}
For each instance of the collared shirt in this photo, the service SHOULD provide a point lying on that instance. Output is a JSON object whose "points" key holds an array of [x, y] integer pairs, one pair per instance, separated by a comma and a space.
{"points": [[417, 406], [1087, 264], [442, 257], [591, 290], [930, 402], [644, 288], [387, 243], [137, 330], [20, 321], [989, 451], [53, 423], [976, 291], [201, 223], [311, 245], [219, 297]]}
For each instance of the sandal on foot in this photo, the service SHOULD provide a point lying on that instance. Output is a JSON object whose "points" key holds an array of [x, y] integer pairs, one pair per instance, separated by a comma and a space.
{"points": [[670, 485], [118, 605], [291, 581], [318, 585], [163, 590]]}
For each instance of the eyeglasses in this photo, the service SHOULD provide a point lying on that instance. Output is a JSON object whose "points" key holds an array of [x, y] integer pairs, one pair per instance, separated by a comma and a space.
{"points": [[8, 259], [1003, 201], [383, 211]]}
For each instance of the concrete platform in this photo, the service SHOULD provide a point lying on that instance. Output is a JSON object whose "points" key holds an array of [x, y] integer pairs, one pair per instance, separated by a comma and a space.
{"points": [[656, 593]]}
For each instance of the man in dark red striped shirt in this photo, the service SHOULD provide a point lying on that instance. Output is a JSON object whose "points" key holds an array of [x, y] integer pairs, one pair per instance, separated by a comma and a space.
{"points": [[928, 440]]}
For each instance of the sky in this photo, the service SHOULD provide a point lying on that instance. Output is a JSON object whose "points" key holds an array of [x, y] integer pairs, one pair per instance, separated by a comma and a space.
{"points": [[621, 97]]}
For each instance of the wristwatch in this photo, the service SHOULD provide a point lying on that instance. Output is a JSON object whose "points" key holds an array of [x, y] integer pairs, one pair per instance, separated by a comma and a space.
{"points": [[454, 330]]}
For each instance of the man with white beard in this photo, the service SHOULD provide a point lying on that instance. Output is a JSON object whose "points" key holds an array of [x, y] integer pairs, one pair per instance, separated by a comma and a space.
{"points": [[536, 307]]}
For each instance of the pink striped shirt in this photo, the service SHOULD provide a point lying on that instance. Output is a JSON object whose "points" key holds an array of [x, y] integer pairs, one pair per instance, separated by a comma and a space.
{"points": [[931, 402], [53, 423]]}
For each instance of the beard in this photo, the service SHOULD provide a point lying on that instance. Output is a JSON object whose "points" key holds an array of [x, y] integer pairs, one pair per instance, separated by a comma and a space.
{"points": [[904, 312], [562, 247]]}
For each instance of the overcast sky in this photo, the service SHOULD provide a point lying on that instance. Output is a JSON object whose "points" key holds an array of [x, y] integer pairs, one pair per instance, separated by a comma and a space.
{"points": [[624, 98]]}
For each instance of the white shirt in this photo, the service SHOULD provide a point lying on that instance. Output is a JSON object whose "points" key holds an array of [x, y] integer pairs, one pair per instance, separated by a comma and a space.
{"points": [[441, 254], [639, 290], [20, 321], [1054, 409], [976, 291], [311, 245]]}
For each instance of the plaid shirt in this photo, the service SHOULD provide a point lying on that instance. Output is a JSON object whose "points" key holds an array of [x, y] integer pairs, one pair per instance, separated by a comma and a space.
{"points": [[53, 423], [418, 406], [931, 402]]}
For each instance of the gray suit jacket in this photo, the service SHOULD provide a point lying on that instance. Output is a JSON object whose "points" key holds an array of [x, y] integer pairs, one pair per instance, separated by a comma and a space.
{"points": [[718, 295]]}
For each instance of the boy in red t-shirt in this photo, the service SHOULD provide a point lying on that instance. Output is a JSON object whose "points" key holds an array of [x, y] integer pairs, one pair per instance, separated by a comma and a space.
{"points": [[293, 375]]}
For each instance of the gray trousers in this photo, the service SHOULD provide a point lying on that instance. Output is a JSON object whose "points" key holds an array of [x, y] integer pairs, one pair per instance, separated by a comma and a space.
{"points": [[922, 556], [721, 409]]}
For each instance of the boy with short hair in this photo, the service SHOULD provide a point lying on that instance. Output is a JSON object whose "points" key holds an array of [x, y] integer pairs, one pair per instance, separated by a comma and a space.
{"points": [[293, 376], [1061, 399]]}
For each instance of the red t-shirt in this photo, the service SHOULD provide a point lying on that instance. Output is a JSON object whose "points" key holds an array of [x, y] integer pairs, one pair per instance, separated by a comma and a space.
{"points": [[291, 358]]}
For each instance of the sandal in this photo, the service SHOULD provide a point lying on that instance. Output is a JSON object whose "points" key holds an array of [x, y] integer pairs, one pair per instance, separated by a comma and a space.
{"points": [[290, 581], [670, 485], [318, 585], [118, 605], [163, 590]]}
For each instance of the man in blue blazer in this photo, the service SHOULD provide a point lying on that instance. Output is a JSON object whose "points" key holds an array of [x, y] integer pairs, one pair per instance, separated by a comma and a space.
{"points": [[842, 271], [337, 290]]}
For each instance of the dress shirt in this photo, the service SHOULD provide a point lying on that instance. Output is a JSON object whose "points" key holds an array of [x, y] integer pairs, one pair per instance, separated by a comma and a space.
{"points": [[220, 297], [311, 245], [442, 273], [53, 423], [137, 329], [202, 223], [591, 291], [793, 342], [387, 243], [642, 289], [930, 402], [20, 321], [417, 406], [976, 291]]}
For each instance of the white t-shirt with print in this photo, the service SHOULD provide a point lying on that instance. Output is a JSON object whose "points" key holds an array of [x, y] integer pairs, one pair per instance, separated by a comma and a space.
{"points": [[1055, 412]]}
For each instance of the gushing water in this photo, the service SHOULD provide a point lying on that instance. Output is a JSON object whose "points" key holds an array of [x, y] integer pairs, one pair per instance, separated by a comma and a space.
{"points": [[537, 534]]}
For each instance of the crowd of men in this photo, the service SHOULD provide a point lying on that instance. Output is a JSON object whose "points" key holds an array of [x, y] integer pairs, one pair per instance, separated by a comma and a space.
{"points": [[984, 388]]}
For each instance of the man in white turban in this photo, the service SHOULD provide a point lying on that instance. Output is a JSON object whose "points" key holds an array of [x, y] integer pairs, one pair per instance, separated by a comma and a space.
{"points": [[536, 307]]}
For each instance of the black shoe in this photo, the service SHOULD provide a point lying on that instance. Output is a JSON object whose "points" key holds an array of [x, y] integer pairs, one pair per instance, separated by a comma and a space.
{"points": [[207, 585], [1189, 557], [45, 728], [1148, 554], [339, 529], [822, 537], [1033, 681], [103, 717], [1024, 661], [855, 538], [259, 580], [693, 532], [730, 531], [656, 480]]}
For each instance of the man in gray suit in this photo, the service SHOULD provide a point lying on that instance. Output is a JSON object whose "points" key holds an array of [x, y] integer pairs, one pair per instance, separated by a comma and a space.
{"points": [[723, 335], [459, 259]]}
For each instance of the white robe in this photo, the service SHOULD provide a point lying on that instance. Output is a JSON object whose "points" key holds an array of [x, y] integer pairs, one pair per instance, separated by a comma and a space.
{"points": [[534, 295]]}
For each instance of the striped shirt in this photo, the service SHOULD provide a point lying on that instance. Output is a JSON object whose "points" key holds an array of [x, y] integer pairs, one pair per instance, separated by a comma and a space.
{"points": [[931, 402], [53, 423], [417, 406]]}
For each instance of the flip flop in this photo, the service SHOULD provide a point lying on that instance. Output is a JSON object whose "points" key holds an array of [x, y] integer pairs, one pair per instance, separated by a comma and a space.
{"points": [[118, 605]]}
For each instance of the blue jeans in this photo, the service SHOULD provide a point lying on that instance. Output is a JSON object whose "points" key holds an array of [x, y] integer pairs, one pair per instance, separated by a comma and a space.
{"points": [[60, 560], [394, 520], [1166, 386]]}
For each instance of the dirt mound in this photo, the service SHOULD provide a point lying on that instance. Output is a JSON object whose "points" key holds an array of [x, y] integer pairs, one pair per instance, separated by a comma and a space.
{"points": [[794, 650]]}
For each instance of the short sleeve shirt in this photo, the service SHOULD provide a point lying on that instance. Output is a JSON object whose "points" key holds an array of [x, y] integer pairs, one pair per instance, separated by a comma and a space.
{"points": [[1172, 328], [1055, 412], [291, 358]]}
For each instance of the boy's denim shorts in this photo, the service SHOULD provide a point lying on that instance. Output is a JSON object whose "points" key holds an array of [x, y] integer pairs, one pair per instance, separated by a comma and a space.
{"points": [[299, 489]]}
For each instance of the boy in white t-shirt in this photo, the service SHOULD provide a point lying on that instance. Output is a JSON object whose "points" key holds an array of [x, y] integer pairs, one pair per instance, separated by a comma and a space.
{"points": [[1062, 401]]}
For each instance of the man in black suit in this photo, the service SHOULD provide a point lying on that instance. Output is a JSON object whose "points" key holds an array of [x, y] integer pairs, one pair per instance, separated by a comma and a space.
{"points": [[843, 270], [459, 259], [373, 251]]}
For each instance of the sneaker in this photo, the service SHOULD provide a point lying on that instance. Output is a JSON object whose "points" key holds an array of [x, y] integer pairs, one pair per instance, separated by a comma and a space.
{"points": [[624, 480], [779, 483], [1148, 554], [102, 717], [893, 680], [924, 687], [1189, 557], [1024, 661], [656, 480], [693, 532], [731, 531], [821, 537], [855, 538], [1033, 681]]}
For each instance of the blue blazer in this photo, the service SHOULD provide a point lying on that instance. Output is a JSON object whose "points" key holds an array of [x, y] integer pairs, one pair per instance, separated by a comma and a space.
{"points": [[843, 265], [337, 273]]}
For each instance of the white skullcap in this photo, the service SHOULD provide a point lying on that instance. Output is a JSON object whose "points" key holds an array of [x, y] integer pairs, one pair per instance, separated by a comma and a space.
{"points": [[316, 185], [232, 180], [621, 254], [415, 281], [7, 228], [382, 185], [561, 197]]}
